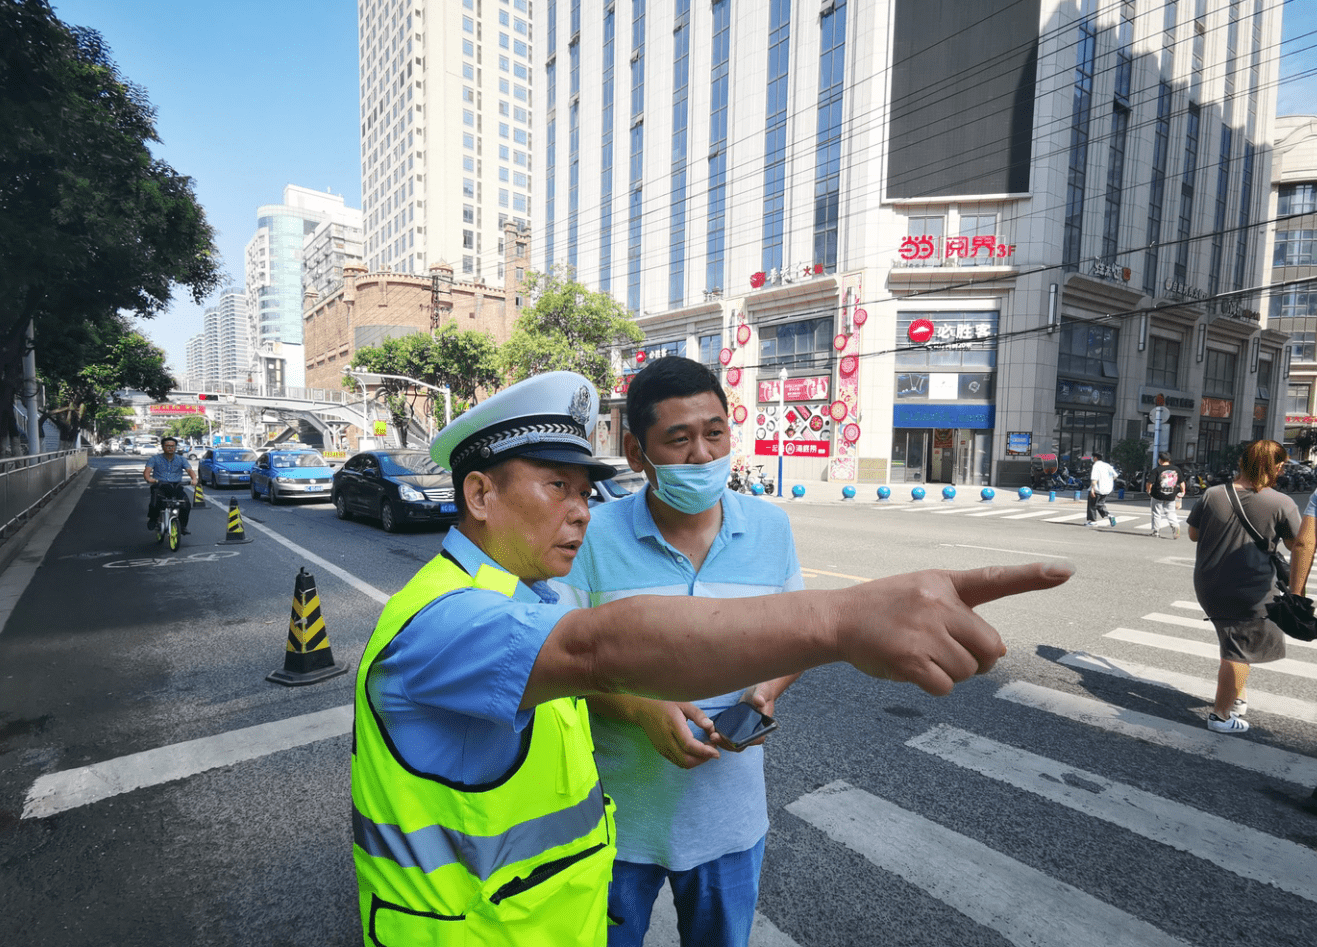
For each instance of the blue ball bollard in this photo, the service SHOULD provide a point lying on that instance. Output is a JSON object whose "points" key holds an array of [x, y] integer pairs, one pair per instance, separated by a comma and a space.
{"points": [[884, 493], [917, 493], [948, 493], [1120, 495], [987, 494], [1076, 496], [1051, 496], [848, 493], [797, 492], [1025, 493], [757, 489]]}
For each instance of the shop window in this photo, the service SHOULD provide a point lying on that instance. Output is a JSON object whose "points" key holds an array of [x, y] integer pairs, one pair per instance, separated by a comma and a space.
{"points": [[797, 345], [1163, 363]]}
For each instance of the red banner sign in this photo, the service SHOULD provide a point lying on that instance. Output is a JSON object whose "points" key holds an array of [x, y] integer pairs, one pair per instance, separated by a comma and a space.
{"points": [[793, 448], [176, 409], [797, 389]]}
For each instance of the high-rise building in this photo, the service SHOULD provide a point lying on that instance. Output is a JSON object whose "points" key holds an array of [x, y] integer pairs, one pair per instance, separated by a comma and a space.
{"points": [[947, 236], [274, 264], [1293, 309], [445, 132], [196, 362], [333, 245]]}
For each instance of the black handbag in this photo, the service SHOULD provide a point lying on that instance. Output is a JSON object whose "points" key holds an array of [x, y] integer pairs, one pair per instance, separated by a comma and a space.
{"points": [[1289, 611]]}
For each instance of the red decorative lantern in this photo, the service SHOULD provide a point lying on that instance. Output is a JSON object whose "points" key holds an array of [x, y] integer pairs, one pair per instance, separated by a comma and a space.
{"points": [[860, 318], [757, 279], [850, 433], [640, 357], [743, 333], [739, 414], [839, 342], [733, 376], [837, 410], [849, 364], [725, 356]]}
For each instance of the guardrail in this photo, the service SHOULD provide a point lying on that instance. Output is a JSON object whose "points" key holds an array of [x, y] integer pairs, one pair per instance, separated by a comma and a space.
{"points": [[26, 483]]}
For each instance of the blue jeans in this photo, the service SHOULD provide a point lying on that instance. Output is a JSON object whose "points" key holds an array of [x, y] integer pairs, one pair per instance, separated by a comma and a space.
{"points": [[715, 901]]}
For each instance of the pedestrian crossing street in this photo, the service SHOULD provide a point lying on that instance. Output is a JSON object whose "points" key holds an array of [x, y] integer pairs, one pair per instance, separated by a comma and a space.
{"points": [[1022, 904]]}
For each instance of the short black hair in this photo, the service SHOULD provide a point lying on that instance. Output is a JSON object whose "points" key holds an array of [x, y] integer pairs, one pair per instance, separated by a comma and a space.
{"points": [[669, 377], [168, 437], [1164, 456], [1097, 455]]}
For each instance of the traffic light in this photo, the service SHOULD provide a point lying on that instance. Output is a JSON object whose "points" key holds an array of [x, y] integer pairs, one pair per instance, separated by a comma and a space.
{"points": [[205, 397]]}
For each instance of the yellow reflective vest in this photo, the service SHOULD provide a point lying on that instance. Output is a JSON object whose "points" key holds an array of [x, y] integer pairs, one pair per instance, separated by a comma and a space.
{"points": [[525, 860]]}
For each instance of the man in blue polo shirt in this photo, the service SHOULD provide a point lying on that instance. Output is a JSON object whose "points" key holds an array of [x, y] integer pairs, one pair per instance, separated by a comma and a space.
{"points": [[164, 472], [685, 535]]}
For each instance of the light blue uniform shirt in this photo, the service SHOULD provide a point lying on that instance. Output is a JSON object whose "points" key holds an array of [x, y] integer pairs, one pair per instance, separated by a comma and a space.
{"points": [[666, 815], [1311, 508], [449, 685], [167, 471]]}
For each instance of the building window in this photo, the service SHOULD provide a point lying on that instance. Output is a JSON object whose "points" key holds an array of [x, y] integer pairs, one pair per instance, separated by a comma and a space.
{"points": [[1076, 181], [1303, 344], [1164, 363], [468, 239], [1245, 212], [468, 264], [1219, 218], [1297, 398], [468, 214], [1157, 189], [1219, 373], [606, 154], [1295, 304], [1192, 126], [827, 145], [775, 133], [1296, 199], [1294, 248], [681, 38], [1088, 350], [797, 346], [977, 225], [715, 230], [710, 347]]}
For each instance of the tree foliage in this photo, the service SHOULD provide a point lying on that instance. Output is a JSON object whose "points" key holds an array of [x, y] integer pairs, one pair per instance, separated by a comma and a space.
{"points": [[567, 327], [91, 224], [1131, 454], [193, 427], [464, 360], [1304, 442]]}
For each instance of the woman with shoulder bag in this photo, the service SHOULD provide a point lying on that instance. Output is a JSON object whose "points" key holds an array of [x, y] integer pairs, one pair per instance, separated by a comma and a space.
{"points": [[1234, 579]]}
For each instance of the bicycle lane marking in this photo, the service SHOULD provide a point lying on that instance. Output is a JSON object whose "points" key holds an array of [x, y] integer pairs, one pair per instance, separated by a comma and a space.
{"points": [[58, 792]]}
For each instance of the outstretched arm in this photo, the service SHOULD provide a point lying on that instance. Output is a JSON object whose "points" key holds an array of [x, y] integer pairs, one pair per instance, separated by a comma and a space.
{"points": [[919, 628]]}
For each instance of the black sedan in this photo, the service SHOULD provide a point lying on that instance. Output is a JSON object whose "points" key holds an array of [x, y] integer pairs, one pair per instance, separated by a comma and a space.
{"points": [[397, 487]]}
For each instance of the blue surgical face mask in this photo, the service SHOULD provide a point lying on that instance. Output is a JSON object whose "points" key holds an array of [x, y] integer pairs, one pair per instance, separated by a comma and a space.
{"points": [[692, 488]]}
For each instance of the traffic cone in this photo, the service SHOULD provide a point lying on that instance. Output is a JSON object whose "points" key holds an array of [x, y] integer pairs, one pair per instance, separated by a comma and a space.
{"points": [[235, 534], [198, 497], [307, 656]]}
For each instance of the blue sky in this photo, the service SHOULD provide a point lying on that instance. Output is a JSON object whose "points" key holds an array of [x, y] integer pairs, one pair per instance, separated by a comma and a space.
{"points": [[252, 95]]}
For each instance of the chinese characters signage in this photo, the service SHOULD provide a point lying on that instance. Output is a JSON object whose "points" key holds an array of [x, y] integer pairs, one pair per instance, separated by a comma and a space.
{"points": [[914, 250], [796, 389], [947, 330], [177, 409]]}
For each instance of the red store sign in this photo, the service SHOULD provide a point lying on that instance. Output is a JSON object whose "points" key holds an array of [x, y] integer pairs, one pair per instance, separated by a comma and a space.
{"points": [[797, 389], [926, 247], [793, 448]]}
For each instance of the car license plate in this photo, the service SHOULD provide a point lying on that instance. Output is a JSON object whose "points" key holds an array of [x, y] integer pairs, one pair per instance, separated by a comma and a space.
{"points": [[315, 488], [447, 507]]}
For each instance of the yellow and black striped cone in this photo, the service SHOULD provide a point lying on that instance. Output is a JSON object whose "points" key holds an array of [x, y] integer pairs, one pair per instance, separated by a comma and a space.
{"points": [[307, 656], [235, 533], [198, 497]]}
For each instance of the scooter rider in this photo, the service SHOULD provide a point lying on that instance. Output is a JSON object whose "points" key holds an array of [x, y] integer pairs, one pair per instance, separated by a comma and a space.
{"points": [[164, 472]]}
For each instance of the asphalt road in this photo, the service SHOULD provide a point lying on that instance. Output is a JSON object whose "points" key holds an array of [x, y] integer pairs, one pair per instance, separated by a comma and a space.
{"points": [[1053, 801]]}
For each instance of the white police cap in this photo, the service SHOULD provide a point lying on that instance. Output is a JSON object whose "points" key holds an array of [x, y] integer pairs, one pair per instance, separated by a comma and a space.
{"points": [[547, 417]]}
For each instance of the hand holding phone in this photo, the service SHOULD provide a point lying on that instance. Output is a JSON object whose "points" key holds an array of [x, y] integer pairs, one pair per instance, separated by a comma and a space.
{"points": [[741, 724]]}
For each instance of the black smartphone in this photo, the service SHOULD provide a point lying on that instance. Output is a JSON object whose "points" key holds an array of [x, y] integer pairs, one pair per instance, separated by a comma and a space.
{"points": [[741, 724]]}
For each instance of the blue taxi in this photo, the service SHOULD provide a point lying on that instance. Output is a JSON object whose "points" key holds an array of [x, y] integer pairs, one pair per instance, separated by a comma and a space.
{"points": [[280, 475]]}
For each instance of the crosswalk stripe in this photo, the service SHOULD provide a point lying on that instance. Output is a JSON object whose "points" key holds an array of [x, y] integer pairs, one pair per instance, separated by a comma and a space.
{"points": [[1236, 848], [970, 877], [1068, 519], [1199, 687], [997, 512], [1192, 606], [1201, 623], [1031, 513], [1237, 751], [1205, 649]]}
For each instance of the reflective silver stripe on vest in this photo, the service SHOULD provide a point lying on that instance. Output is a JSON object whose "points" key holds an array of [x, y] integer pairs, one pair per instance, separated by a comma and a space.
{"points": [[435, 846]]}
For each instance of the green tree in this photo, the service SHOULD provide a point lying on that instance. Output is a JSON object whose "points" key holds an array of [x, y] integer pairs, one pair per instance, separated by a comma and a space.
{"points": [[1130, 455], [91, 224], [464, 360], [1304, 442], [107, 420], [190, 428], [567, 327]]}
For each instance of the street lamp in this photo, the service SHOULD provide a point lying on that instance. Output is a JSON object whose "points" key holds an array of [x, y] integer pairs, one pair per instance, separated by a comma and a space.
{"points": [[376, 378], [365, 398]]}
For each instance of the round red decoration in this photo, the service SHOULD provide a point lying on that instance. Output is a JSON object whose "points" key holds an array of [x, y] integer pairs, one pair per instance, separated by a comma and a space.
{"points": [[921, 331], [839, 342], [816, 423], [640, 357], [837, 410], [739, 414], [860, 318], [733, 376], [725, 356], [743, 333], [848, 366], [851, 433], [758, 279]]}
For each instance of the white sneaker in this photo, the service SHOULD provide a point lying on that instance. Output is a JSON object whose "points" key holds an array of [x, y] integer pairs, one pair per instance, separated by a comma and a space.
{"points": [[1235, 724]]}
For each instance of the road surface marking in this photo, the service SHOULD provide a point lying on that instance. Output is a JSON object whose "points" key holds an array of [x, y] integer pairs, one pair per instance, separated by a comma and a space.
{"points": [[1204, 623], [1192, 606], [1199, 687], [971, 877], [1068, 519], [1019, 552], [835, 575], [1236, 848], [1197, 739], [1000, 511], [358, 584], [1204, 649], [59, 792], [1183, 562], [1031, 513]]}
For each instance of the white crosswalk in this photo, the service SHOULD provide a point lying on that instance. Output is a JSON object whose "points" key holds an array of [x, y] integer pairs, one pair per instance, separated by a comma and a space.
{"points": [[1066, 511]]}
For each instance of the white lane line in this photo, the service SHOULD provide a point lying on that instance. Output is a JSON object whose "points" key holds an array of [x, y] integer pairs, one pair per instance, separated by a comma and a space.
{"points": [[1191, 606], [1199, 687], [59, 792], [1246, 852], [1019, 552], [1204, 649], [1237, 751], [1202, 622], [970, 877], [358, 584]]}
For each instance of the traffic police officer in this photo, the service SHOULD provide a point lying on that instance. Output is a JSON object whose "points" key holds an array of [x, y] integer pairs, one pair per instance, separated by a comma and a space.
{"points": [[478, 817]]}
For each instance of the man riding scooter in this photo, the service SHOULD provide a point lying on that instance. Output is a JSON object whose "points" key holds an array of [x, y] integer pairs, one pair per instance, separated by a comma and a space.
{"points": [[164, 472]]}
